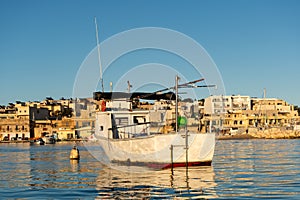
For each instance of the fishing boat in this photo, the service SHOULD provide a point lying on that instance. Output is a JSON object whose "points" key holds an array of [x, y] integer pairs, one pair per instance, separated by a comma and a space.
{"points": [[124, 133]]}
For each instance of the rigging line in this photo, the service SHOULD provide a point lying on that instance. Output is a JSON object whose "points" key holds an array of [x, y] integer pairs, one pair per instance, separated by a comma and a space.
{"points": [[179, 86]]}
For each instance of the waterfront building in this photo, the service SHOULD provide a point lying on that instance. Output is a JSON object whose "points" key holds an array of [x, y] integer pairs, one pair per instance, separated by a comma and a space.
{"points": [[84, 118], [214, 105], [24, 120], [217, 107], [263, 113], [58, 108], [238, 113], [272, 111], [17, 121], [65, 129]]}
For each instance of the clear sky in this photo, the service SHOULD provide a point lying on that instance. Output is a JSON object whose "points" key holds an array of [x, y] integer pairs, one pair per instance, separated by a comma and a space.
{"points": [[254, 43]]}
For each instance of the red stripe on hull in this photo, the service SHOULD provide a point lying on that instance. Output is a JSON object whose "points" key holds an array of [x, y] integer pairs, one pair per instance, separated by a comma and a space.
{"points": [[207, 163], [163, 165]]}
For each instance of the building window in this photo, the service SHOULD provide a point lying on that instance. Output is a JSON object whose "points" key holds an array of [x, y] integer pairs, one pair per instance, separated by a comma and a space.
{"points": [[69, 135], [101, 128], [241, 122]]}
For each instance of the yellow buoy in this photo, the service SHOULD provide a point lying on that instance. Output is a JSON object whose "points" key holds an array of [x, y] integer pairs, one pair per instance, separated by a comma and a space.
{"points": [[74, 155]]}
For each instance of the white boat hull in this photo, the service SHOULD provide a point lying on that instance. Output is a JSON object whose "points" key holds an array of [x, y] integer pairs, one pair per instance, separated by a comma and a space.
{"points": [[161, 150]]}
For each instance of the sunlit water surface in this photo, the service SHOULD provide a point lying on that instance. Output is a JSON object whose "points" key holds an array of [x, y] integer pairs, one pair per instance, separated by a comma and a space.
{"points": [[241, 169]]}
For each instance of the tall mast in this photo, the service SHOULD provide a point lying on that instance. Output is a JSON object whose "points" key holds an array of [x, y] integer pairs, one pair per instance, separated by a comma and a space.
{"points": [[128, 86], [176, 103], [99, 60]]}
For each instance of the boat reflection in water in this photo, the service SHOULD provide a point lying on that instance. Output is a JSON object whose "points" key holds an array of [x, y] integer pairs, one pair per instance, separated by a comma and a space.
{"points": [[194, 182]]}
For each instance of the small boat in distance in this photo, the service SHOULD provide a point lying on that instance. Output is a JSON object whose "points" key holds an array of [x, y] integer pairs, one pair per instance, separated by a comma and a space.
{"points": [[40, 141], [49, 139]]}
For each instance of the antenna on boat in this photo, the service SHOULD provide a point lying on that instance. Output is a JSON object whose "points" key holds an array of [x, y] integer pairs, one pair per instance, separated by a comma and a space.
{"points": [[128, 86], [99, 60], [190, 84]]}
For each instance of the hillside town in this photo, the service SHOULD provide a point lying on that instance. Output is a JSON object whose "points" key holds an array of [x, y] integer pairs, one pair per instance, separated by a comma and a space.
{"points": [[69, 119]]}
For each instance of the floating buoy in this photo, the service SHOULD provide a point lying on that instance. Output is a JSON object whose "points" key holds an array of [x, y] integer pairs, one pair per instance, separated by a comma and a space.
{"points": [[74, 155]]}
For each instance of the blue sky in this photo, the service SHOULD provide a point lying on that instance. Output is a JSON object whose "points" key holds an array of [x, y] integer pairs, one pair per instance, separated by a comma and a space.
{"points": [[255, 44]]}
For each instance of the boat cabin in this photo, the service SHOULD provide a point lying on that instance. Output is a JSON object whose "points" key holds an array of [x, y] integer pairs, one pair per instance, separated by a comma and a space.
{"points": [[122, 124], [117, 118]]}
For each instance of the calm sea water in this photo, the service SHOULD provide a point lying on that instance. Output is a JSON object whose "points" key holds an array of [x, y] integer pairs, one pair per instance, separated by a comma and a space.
{"points": [[241, 169]]}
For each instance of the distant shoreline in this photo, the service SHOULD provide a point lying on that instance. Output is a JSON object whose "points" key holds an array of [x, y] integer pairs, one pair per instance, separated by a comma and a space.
{"points": [[29, 141], [261, 135], [219, 137]]}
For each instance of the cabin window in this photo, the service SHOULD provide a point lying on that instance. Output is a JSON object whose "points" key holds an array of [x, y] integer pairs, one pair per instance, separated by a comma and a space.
{"points": [[139, 119], [122, 121]]}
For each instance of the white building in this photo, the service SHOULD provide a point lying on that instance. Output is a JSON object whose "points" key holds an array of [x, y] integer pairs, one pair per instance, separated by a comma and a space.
{"points": [[215, 105]]}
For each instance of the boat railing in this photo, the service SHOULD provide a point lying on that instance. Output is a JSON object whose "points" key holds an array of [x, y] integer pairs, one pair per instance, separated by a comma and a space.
{"points": [[121, 132]]}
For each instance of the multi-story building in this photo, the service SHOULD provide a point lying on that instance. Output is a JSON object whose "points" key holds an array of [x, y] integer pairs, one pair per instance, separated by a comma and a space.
{"points": [[12, 127], [84, 118], [270, 112], [242, 112], [24, 120], [215, 105], [17, 121]]}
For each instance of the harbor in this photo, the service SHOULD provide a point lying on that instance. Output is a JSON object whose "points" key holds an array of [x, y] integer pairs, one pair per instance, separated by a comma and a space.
{"points": [[150, 99]]}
